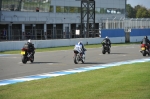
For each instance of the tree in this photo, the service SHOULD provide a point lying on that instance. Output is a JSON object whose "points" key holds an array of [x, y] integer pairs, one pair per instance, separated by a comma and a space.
{"points": [[130, 11], [149, 13], [138, 11], [137, 7], [142, 13]]}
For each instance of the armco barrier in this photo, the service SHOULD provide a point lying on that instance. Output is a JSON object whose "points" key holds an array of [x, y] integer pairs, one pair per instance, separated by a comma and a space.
{"points": [[17, 45]]}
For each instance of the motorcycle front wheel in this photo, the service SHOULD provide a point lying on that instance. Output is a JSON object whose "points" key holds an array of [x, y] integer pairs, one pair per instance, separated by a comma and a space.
{"points": [[24, 59]]}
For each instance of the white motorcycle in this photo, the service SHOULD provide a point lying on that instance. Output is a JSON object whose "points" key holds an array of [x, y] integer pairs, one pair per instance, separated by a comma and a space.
{"points": [[78, 54]]}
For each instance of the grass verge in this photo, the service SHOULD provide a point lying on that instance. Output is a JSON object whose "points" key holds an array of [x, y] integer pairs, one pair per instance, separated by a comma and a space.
{"points": [[120, 82]]}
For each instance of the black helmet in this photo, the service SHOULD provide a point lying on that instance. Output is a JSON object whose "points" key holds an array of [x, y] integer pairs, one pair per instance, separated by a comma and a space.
{"points": [[146, 37]]}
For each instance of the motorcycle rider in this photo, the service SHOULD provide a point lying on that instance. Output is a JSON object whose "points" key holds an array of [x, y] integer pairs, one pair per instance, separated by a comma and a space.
{"points": [[83, 49], [106, 41], [146, 41], [30, 47]]}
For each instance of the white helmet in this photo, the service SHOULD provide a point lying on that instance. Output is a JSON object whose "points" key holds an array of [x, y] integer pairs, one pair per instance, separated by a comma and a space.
{"points": [[29, 41], [106, 37]]}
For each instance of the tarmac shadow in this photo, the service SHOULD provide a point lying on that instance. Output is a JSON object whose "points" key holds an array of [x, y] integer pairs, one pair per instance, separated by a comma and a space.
{"points": [[43, 62], [93, 63], [118, 53]]}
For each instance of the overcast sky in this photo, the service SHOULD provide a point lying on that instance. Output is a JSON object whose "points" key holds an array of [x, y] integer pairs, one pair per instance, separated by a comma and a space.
{"points": [[145, 3]]}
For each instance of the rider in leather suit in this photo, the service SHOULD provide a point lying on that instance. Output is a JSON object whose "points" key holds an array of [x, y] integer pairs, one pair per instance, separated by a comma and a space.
{"points": [[146, 41], [30, 46], [106, 41]]}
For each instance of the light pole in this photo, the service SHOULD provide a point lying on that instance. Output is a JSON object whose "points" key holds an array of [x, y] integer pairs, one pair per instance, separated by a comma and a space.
{"points": [[119, 23], [114, 23], [136, 23], [123, 23], [141, 23], [131, 23], [148, 23]]}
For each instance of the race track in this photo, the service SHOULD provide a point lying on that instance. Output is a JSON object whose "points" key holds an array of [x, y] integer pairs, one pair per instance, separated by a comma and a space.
{"points": [[12, 67]]}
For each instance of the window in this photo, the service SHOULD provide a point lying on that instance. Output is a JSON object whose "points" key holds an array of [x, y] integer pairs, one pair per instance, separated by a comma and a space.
{"points": [[26, 5], [122, 11], [79, 9], [51, 9], [97, 10], [72, 9], [59, 9], [102, 10], [75, 9], [66, 9]]}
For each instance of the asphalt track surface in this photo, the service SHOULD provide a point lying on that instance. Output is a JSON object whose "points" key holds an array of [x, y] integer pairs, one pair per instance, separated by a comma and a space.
{"points": [[52, 61]]}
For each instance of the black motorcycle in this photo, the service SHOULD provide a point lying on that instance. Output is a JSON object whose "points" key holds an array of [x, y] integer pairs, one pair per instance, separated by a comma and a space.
{"points": [[27, 55], [106, 48]]}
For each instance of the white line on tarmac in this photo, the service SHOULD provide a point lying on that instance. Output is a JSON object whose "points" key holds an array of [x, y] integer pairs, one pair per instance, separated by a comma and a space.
{"points": [[50, 63], [20, 63]]}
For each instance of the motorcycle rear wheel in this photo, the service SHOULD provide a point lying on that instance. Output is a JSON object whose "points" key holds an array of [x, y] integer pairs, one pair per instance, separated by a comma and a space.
{"points": [[144, 53], [103, 51], [83, 60], [76, 59], [109, 51], [32, 59]]}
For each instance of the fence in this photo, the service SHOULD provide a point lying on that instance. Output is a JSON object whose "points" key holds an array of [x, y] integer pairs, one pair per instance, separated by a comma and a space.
{"points": [[125, 23]]}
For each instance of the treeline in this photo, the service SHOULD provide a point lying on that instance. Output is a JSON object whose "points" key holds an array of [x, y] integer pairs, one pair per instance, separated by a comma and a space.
{"points": [[138, 11]]}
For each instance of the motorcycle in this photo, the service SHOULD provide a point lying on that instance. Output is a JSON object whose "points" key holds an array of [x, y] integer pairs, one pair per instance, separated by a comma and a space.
{"points": [[105, 49], [78, 55], [144, 50], [26, 55]]}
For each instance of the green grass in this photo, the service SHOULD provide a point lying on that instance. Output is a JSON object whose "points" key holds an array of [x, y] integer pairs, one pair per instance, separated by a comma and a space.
{"points": [[60, 48], [120, 82]]}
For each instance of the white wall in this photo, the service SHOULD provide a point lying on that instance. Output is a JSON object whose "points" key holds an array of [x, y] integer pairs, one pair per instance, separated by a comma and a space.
{"points": [[17, 45], [137, 38]]}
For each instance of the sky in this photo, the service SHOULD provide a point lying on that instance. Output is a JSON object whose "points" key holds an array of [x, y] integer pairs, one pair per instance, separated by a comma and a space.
{"points": [[145, 3]]}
